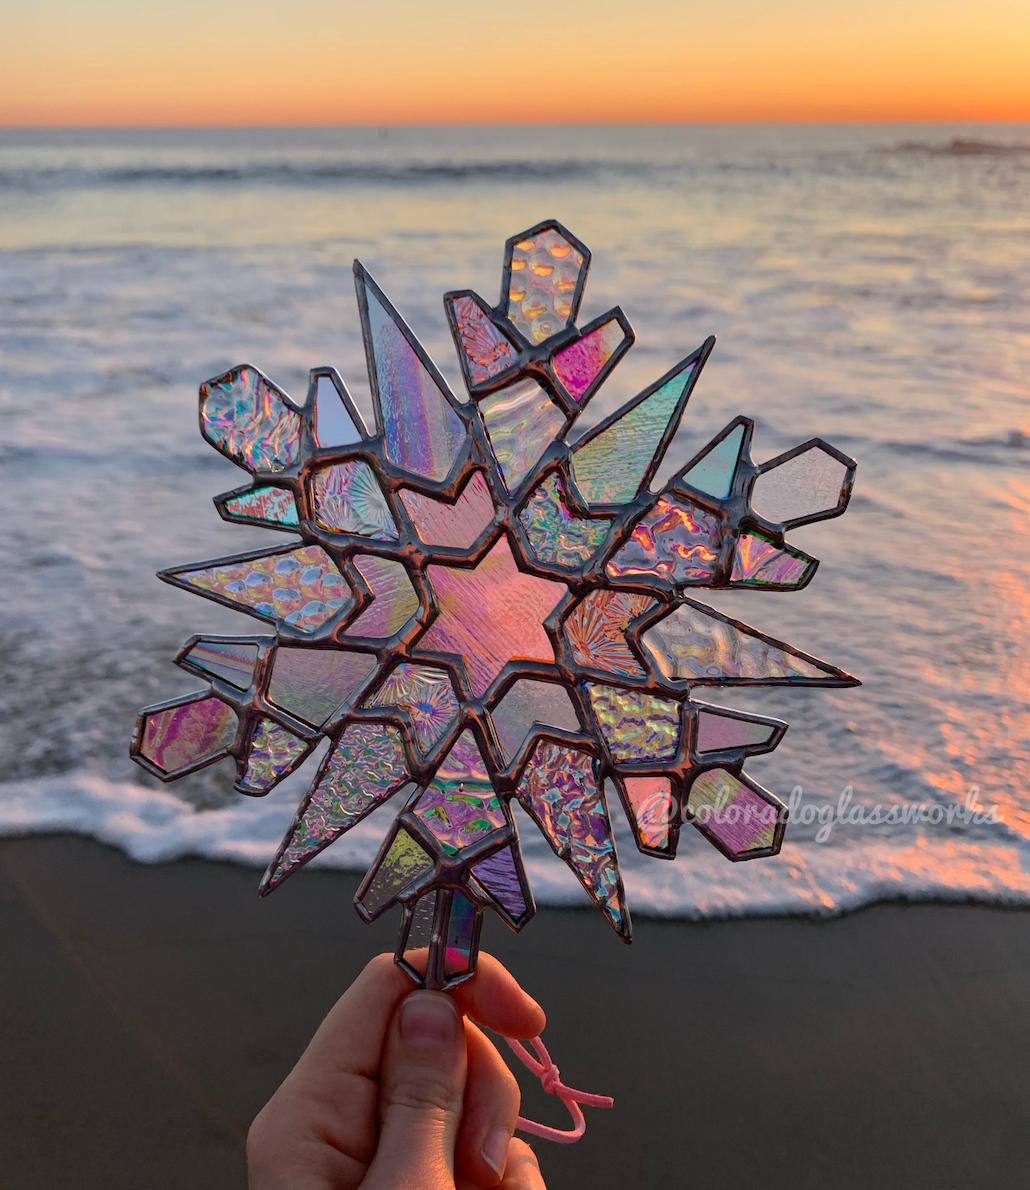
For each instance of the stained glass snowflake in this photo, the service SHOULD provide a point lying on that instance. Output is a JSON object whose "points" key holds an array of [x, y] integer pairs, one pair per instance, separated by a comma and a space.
{"points": [[485, 606]]}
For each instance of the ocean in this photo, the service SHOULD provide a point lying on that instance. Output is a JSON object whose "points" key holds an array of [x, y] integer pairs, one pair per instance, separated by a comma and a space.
{"points": [[869, 285]]}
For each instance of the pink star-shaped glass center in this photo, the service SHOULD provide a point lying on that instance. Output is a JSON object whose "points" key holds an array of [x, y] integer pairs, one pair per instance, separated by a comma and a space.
{"points": [[491, 615]]}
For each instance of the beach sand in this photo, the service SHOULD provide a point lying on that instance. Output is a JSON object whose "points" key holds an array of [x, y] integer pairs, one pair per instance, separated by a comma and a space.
{"points": [[148, 1012]]}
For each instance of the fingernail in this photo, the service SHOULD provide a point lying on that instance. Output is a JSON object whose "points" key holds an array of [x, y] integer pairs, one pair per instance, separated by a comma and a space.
{"points": [[429, 1019], [495, 1151]]}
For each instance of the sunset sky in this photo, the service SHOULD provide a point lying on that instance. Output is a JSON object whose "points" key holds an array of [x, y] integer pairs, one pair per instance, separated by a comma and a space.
{"points": [[224, 62]]}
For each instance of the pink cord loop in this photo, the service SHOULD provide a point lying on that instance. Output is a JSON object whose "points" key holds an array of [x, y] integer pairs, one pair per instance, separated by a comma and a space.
{"points": [[550, 1079]]}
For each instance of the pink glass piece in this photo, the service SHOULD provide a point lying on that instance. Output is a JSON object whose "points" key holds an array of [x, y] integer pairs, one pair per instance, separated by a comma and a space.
{"points": [[528, 702], [232, 661], [394, 598], [733, 812], [651, 801], [464, 762], [637, 727], [579, 365], [189, 734], [677, 539], [333, 423], [716, 732], [461, 932], [690, 645], [274, 505], [363, 770], [491, 615], [459, 814], [596, 630], [273, 752], [545, 271], [810, 485], [422, 432], [759, 563], [498, 875], [249, 420], [560, 790], [457, 525], [347, 497], [312, 683], [426, 694], [556, 537], [300, 587], [521, 422], [487, 352]]}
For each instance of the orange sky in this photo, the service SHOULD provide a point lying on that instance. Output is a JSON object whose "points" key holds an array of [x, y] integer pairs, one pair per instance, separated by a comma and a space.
{"points": [[218, 62]]}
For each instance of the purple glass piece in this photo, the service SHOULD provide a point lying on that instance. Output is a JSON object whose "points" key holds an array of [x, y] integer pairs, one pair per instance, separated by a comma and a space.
{"points": [[596, 630], [459, 813], [423, 433], [312, 683], [677, 539], [274, 751], [333, 423], [249, 420], [559, 789], [464, 762], [499, 876], [716, 733], [758, 562], [579, 365], [730, 809], [189, 734], [487, 352], [232, 661]]}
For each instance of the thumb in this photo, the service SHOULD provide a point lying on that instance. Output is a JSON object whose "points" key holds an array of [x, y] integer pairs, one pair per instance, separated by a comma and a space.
{"points": [[421, 1087]]}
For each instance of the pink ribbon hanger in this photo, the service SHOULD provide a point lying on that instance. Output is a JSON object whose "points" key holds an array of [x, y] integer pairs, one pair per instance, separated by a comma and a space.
{"points": [[550, 1079]]}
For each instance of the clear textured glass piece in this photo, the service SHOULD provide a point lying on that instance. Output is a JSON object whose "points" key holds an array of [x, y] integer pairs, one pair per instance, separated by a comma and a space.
{"points": [[347, 497], [716, 733], [556, 537], [457, 525], [274, 505], [610, 467], [637, 727], [423, 433], [809, 485], [333, 423], [560, 790], [365, 767], [232, 661], [579, 365], [491, 615], [312, 683], [426, 694], [733, 812], [402, 865], [650, 799], [188, 735], [394, 599], [487, 352], [521, 422], [499, 876], [713, 472], [249, 421], [677, 539], [545, 271], [419, 936], [596, 630], [691, 645], [458, 814], [301, 587], [461, 933], [758, 562], [529, 702], [273, 752]]}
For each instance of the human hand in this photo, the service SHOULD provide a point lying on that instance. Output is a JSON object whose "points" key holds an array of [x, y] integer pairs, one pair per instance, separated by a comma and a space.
{"points": [[399, 1090]]}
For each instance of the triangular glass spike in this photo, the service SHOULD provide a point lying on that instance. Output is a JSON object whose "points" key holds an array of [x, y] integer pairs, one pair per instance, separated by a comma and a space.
{"points": [[556, 537], [581, 365], [248, 419], [231, 660], [649, 810], [721, 730], [560, 791], [741, 818], [394, 601], [483, 350], [713, 472], [458, 525], [365, 767], [312, 683], [427, 694], [528, 702], [273, 506], [759, 562], [273, 753], [423, 434], [638, 728], [174, 739], [498, 875], [301, 588], [521, 422], [617, 459], [334, 425], [694, 643], [347, 498], [545, 271], [404, 863]]}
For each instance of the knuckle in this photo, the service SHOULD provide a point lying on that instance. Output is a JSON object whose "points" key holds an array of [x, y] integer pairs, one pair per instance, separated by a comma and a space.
{"points": [[425, 1092]]}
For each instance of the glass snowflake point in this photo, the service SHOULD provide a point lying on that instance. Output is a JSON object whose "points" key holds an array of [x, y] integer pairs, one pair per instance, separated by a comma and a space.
{"points": [[486, 608]]}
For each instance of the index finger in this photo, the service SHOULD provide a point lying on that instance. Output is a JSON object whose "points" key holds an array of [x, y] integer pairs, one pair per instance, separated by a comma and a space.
{"points": [[493, 998]]}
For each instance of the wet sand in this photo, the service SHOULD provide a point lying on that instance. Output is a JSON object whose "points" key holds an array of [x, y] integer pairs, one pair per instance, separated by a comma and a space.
{"points": [[148, 1012]]}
